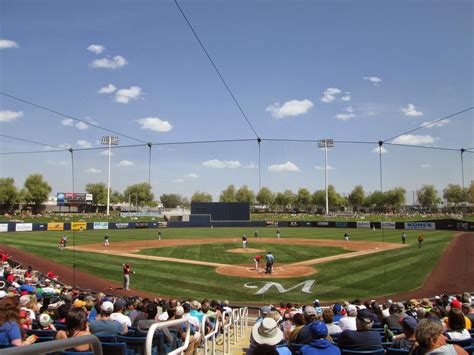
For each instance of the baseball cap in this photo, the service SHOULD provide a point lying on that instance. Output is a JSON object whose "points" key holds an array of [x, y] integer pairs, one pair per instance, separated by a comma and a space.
{"points": [[79, 303], [408, 322], [365, 316], [179, 311], [3, 294], [186, 306], [310, 311], [316, 303], [24, 300], [351, 308], [107, 306], [45, 319], [337, 308], [318, 330], [265, 309], [456, 303]]}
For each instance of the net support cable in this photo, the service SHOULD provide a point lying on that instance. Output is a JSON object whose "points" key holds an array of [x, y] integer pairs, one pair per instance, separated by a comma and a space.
{"points": [[72, 222]]}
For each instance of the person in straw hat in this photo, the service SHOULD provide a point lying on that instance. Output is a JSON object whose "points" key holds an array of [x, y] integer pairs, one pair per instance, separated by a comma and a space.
{"points": [[267, 332]]}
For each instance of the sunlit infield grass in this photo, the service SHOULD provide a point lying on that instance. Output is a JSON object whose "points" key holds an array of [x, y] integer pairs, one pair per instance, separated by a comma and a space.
{"points": [[365, 276]]}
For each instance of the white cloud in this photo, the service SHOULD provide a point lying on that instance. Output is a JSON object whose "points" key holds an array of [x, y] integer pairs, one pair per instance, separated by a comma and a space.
{"points": [[67, 122], [413, 139], [221, 164], [106, 153], [9, 116], [288, 166], [345, 116], [441, 123], [178, 181], [376, 150], [252, 165], [124, 96], [425, 165], [93, 171], [373, 79], [96, 48], [411, 111], [125, 163], [107, 89], [329, 95], [57, 162], [290, 108], [347, 96], [154, 124], [191, 176], [319, 167], [107, 63], [6, 43], [349, 109], [82, 125], [84, 144]]}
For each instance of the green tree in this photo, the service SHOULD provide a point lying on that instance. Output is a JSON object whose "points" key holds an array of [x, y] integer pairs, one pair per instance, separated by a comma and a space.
{"points": [[357, 197], [99, 194], [285, 199], [303, 199], [319, 198], [428, 196], [171, 200], [395, 198], [334, 198], [376, 200], [228, 195], [139, 193], [244, 194], [471, 191], [116, 198], [265, 197], [455, 194], [201, 197], [9, 194], [36, 191]]}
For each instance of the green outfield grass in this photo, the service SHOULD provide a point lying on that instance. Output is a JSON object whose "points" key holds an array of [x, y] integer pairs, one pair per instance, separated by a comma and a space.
{"points": [[218, 252], [366, 276]]}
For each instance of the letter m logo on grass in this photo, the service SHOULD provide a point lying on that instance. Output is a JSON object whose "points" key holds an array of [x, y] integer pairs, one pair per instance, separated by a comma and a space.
{"points": [[306, 287]]}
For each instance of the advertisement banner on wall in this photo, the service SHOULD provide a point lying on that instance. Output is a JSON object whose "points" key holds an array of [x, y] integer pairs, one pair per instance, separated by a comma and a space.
{"points": [[341, 224], [140, 214], [141, 225], [3, 227], [322, 224], [121, 225], [24, 227], [420, 225], [388, 225], [55, 226], [162, 224], [293, 224], [363, 225], [101, 225], [76, 226]]}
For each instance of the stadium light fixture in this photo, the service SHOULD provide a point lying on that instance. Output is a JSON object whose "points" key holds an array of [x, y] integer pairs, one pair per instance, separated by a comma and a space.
{"points": [[326, 143], [110, 141]]}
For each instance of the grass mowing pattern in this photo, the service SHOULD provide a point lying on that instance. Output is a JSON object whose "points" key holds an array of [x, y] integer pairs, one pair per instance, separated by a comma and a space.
{"points": [[361, 277], [285, 254]]}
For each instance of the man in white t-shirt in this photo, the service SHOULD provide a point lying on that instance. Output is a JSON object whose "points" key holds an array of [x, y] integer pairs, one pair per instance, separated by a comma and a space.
{"points": [[349, 321], [194, 321], [119, 307]]}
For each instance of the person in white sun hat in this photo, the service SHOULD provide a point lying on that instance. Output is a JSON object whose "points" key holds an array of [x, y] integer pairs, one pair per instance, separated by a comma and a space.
{"points": [[267, 332]]}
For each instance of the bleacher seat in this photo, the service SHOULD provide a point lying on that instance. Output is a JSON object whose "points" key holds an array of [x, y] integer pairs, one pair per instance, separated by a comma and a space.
{"points": [[107, 338], [393, 351], [5, 345], [115, 349], [137, 344], [362, 352], [42, 333], [461, 343], [75, 353]]}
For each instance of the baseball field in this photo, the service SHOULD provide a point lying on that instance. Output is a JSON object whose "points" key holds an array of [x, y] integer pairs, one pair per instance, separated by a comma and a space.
{"points": [[210, 263]]}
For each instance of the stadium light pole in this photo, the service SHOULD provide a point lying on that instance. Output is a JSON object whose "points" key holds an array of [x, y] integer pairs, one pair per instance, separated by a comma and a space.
{"points": [[106, 140], [462, 166], [326, 143]]}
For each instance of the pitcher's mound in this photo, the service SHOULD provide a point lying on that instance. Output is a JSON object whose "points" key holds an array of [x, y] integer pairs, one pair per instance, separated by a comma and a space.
{"points": [[245, 250]]}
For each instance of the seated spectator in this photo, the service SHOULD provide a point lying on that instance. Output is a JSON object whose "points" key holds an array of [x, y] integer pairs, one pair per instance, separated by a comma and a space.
{"points": [[406, 340], [337, 309], [119, 307], [171, 304], [264, 349], [10, 332], [319, 344], [304, 335], [46, 322], [267, 332], [195, 337], [456, 304], [468, 311], [328, 317], [193, 320], [76, 326], [298, 320], [457, 325], [264, 312], [393, 320], [349, 322], [430, 339], [104, 326], [362, 338]]}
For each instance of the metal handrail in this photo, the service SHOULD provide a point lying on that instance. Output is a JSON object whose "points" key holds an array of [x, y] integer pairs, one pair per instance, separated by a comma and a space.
{"points": [[211, 334], [56, 345], [170, 323], [236, 323], [226, 323]]}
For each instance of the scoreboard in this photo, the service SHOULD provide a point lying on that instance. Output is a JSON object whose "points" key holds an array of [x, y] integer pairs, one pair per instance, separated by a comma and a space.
{"points": [[72, 199]]}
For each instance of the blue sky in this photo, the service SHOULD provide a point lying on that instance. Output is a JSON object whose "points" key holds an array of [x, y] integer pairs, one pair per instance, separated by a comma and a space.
{"points": [[364, 71]]}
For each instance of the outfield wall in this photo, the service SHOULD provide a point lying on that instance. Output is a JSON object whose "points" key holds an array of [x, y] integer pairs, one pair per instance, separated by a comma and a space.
{"points": [[204, 221]]}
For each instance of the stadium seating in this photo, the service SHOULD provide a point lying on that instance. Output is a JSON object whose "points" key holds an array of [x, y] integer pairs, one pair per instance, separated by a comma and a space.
{"points": [[116, 349], [362, 352]]}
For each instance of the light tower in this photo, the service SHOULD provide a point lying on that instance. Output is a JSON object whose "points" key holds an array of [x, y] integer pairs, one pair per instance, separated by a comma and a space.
{"points": [[109, 141], [326, 143]]}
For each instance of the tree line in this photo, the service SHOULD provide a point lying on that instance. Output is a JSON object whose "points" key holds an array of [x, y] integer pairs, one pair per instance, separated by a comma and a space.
{"points": [[36, 191]]}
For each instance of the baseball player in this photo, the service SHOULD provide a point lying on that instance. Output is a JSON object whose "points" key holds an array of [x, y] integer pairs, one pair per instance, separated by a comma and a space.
{"points": [[106, 241], [256, 260], [244, 241]]}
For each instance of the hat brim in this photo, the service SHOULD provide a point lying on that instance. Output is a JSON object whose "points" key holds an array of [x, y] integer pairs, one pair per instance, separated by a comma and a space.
{"points": [[263, 340]]}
